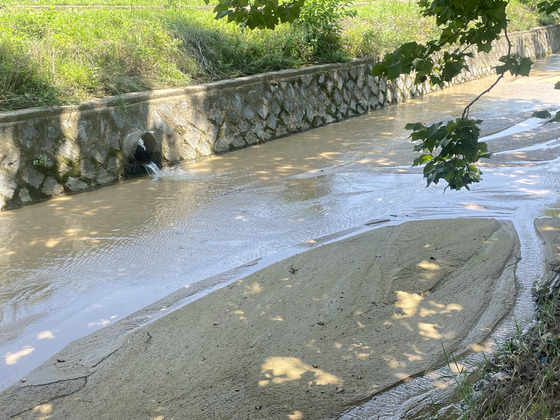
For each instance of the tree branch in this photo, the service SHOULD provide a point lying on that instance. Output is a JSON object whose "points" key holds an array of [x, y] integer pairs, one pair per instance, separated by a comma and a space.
{"points": [[467, 108]]}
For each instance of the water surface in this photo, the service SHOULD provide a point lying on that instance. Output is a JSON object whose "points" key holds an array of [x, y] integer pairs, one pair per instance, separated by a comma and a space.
{"points": [[74, 264]]}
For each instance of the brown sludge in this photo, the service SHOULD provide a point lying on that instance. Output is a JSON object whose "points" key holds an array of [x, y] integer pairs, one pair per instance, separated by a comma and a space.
{"points": [[305, 338]]}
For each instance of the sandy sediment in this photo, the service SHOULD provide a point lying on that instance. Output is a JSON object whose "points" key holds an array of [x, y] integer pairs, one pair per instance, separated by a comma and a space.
{"points": [[549, 229], [305, 338]]}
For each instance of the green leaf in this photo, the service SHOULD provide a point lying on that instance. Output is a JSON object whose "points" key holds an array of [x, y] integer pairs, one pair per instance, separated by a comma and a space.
{"points": [[422, 159], [516, 65], [393, 71], [542, 114], [556, 118]]}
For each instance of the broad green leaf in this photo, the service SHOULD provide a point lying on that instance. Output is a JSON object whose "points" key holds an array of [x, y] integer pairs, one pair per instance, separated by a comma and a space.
{"points": [[393, 71], [542, 114], [556, 118], [422, 159]]}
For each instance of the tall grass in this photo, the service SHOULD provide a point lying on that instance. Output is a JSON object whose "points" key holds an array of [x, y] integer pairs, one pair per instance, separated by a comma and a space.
{"points": [[523, 380], [384, 25], [51, 56]]}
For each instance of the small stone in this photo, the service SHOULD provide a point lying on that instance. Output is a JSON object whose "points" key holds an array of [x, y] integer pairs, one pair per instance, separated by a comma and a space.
{"points": [[75, 184], [24, 196], [51, 187]]}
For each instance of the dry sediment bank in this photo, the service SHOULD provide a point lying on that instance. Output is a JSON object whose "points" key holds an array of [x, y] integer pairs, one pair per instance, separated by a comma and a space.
{"points": [[305, 338]]}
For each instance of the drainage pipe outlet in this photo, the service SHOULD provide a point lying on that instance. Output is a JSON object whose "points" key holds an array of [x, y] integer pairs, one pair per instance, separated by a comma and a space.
{"points": [[141, 150]]}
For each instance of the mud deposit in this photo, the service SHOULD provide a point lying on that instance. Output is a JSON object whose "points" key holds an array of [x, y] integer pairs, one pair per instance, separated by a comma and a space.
{"points": [[304, 338]]}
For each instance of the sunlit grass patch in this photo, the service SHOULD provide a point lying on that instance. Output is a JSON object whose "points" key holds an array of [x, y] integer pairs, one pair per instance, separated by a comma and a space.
{"points": [[54, 56]]}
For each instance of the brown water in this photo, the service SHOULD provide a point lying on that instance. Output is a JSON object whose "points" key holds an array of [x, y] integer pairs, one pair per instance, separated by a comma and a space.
{"points": [[75, 264]]}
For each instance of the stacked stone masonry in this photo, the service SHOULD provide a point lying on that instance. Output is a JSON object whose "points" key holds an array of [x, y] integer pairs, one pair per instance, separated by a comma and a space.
{"points": [[45, 152]]}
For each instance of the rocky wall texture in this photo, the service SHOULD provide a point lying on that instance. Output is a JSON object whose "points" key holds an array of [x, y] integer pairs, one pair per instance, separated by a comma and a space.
{"points": [[45, 152]]}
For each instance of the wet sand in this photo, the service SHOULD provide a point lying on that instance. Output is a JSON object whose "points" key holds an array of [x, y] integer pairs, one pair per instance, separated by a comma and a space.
{"points": [[305, 338]]}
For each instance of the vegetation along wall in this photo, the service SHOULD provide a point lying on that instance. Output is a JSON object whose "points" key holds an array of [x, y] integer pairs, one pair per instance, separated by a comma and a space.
{"points": [[45, 152]]}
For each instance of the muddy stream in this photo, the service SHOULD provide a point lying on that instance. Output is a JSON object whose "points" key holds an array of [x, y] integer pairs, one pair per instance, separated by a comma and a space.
{"points": [[75, 264]]}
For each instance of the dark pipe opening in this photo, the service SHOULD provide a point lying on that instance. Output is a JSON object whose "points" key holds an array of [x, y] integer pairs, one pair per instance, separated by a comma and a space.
{"points": [[145, 152], [146, 148]]}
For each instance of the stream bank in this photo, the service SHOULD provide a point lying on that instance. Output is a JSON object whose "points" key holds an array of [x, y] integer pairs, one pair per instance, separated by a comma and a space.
{"points": [[48, 152]]}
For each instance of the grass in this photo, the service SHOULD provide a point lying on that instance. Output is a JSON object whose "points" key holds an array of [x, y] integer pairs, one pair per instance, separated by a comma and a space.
{"points": [[522, 379], [56, 56], [384, 25], [524, 382]]}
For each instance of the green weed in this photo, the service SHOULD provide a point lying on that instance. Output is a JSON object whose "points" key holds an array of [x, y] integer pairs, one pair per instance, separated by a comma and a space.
{"points": [[524, 375], [54, 56]]}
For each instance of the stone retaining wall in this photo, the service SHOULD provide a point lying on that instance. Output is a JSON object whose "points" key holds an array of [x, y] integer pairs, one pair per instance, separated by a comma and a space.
{"points": [[45, 152]]}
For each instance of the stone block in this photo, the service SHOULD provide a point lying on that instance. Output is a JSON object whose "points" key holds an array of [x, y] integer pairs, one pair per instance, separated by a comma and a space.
{"points": [[104, 177], [68, 149], [248, 113], [262, 111], [76, 185], [11, 160], [238, 142], [272, 122], [232, 116], [188, 152], [53, 132], [85, 128], [119, 119], [24, 196], [251, 139], [193, 137], [179, 121], [29, 135], [99, 153], [51, 187], [288, 105], [7, 185], [216, 117], [87, 169], [165, 110], [243, 127], [199, 120], [221, 146], [114, 165], [114, 141], [297, 117], [281, 131], [237, 102], [309, 113], [275, 108], [205, 148], [156, 123], [33, 177]]}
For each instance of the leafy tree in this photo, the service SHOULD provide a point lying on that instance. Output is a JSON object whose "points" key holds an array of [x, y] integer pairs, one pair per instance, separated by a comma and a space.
{"points": [[258, 13], [449, 151]]}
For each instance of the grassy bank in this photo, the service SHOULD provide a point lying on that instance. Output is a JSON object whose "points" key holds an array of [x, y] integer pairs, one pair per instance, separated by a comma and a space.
{"points": [[524, 376], [521, 380], [54, 56]]}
